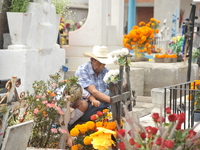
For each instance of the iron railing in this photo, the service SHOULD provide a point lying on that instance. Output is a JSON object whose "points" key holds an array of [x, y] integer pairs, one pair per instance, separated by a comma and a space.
{"points": [[181, 100]]}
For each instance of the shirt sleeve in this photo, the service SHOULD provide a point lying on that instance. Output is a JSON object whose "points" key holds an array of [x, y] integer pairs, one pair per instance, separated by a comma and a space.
{"points": [[85, 94]]}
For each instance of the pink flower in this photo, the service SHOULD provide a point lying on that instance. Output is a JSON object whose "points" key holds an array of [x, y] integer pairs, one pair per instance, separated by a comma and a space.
{"points": [[54, 85], [44, 102], [62, 130], [38, 96], [35, 111], [50, 105], [54, 130], [68, 97]]}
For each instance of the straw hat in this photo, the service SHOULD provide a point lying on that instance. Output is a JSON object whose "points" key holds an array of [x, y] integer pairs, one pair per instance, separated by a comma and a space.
{"points": [[99, 53]]}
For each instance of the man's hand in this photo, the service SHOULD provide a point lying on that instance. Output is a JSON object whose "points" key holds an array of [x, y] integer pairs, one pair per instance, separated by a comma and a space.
{"points": [[70, 141]]}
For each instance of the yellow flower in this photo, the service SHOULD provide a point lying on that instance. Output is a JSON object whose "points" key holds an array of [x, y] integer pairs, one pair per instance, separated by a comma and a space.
{"points": [[102, 139], [87, 140], [74, 132]]}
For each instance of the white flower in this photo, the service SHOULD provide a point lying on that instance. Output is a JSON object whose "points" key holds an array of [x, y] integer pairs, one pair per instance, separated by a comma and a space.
{"points": [[112, 75]]}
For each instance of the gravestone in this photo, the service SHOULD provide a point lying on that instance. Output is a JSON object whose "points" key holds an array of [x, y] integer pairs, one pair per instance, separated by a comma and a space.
{"points": [[17, 136]]}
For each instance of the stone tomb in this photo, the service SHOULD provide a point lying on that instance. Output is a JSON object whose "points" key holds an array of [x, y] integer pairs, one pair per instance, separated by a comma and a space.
{"points": [[17, 136]]}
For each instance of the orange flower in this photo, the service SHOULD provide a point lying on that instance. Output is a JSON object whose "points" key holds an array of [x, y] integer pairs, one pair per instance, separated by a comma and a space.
{"points": [[52, 94]]}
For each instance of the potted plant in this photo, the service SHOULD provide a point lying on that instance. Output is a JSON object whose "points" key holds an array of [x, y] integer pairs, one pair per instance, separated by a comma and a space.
{"points": [[140, 38], [18, 29]]}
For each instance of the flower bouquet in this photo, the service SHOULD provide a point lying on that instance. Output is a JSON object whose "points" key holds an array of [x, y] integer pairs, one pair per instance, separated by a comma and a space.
{"points": [[141, 37], [95, 134], [165, 135], [119, 56], [176, 45]]}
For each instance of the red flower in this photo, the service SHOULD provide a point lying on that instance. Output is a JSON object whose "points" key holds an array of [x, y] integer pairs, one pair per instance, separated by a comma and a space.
{"points": [[99, 113], [191, 134], [181, 118], [168, 110], [137, 145], [178, 127], [155, 116], [93, 117], [161, 119], [129, 132], [172, 117], [152, 130], [143, 135], [132, 141], [159, 141], [121, 146], [121, 133], [169, 144]]}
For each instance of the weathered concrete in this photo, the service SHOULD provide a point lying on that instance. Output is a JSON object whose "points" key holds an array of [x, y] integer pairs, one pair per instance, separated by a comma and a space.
{"points": [[158, 75]]}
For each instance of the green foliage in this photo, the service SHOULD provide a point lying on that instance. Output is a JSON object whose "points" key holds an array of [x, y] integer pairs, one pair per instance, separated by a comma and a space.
{"points": [[195, 53], [18, 6], [61, 6]]}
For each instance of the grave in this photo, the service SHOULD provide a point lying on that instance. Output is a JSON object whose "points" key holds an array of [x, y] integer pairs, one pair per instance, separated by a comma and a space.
{"points": [[17, 136]]}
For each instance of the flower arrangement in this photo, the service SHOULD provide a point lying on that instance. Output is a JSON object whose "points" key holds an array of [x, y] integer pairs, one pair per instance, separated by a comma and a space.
{"points": [[45, 110], [164, 135], [66, 26], [95, 134], [176, 45], [195, 86], [119, 56], [142, 36]]}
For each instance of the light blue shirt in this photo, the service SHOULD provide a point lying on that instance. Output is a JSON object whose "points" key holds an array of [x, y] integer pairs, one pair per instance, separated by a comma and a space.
{"points": [[87, 77]]}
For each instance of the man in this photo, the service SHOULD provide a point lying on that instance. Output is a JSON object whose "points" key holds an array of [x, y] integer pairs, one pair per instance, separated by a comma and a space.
{"points": [[91, 76]]}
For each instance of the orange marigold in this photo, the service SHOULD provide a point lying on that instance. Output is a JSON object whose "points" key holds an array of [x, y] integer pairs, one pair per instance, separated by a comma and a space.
{"points": [[90, 125], [74, 132], [99, 124], [83, 128], [87, 140]]}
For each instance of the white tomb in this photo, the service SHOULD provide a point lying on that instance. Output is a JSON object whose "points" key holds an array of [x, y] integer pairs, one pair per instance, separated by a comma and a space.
{"points": [[42, 56]]}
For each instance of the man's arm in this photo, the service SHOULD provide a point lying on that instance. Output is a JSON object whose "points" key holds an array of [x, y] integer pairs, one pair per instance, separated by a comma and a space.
{"points": [[98, 95]]}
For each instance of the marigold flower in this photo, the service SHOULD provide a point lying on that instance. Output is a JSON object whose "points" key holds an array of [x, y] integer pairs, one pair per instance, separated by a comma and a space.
{"points": [[99, 124], [74, 132], [87, 140], [90, 125], [83, 128]]}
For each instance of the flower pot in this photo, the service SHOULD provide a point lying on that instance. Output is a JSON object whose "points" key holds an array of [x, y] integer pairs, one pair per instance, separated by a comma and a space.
{"points": [[179, 58], [167, 60], [137, 53], [174, 60], [197, 115], [159, 60], [18, 27]]}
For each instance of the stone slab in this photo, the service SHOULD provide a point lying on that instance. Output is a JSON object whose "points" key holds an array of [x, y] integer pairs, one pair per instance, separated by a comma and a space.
{"points": [[17, 136]]}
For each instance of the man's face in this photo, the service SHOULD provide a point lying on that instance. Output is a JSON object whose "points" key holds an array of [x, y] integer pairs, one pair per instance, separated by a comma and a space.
{"points": [[97, 66]]}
